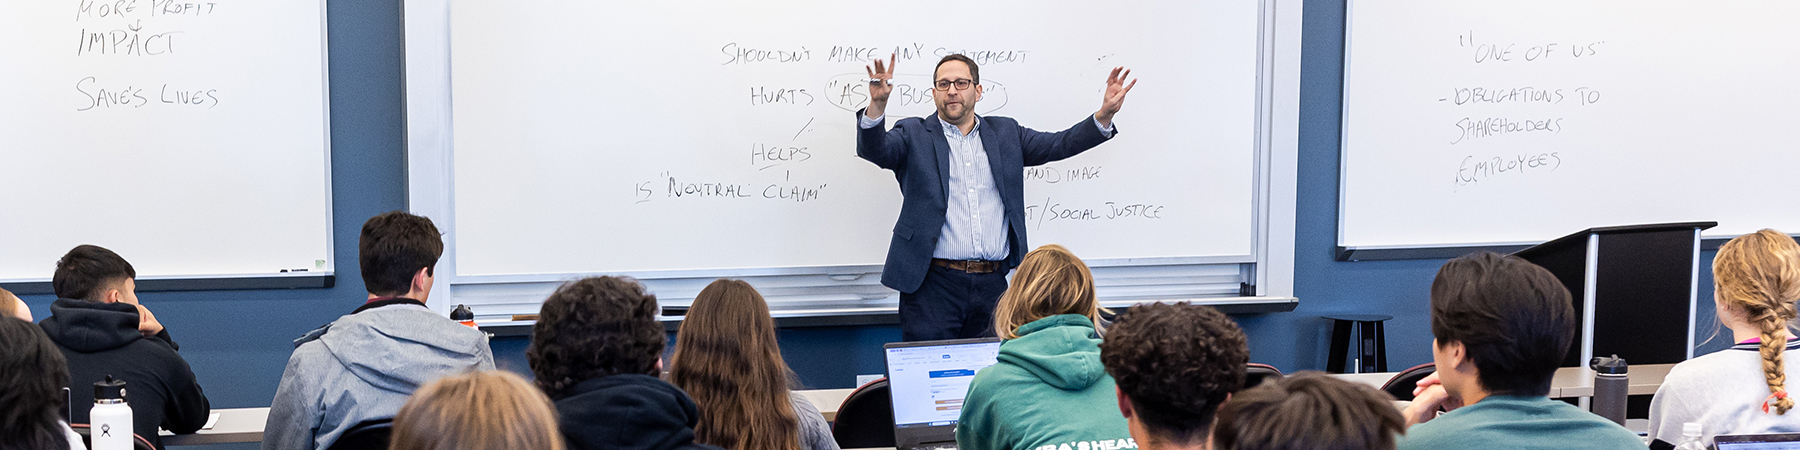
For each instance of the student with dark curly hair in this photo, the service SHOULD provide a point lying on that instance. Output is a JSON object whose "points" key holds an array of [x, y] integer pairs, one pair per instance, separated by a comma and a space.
{"points": [[596, 350], [1047, 391], [726, 357], [1174, 364], [31, 390], [1308, 411], [1502, 326]]}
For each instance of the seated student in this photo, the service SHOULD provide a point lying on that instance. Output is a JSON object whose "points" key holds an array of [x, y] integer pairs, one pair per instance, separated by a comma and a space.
{"points": [[1502, 326], [727, 359], [489, 410], [363, 366], [1306, 411], [31, 390], [1740, 390], [12, 305], [1174, 364], [102, 330], [596, 350], [1048, 388]]}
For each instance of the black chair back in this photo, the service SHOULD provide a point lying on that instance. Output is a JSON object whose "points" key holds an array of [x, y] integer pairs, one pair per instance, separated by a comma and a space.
{"points": [[1402, 384], [368, 435], [1255, 374], [87, 440], [866, 419]]}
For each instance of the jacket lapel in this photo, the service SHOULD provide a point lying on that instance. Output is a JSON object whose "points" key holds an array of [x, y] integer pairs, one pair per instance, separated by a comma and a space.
{"points": [[997, 160], [942, 147]]}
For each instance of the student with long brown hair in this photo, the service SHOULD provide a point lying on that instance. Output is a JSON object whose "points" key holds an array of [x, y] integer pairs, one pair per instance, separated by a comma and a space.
{"points": [[31, 390], [727, 359], [485, 410], [1049, 388], [1742, 389]]}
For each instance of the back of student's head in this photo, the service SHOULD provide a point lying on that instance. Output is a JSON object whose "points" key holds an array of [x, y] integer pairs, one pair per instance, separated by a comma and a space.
{"points": [[1308, 411], [1757, 276], [393, 247], [87, 272], [32, 374], [727, 359], [591, 328], [1176, 363], [1050, 281], [1513, 318], [12, 306], [492, 410]]}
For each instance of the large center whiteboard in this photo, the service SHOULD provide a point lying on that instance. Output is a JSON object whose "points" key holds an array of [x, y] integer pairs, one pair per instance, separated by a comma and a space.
{"points": [[1468, 124], [641, 136], [189, 137]]}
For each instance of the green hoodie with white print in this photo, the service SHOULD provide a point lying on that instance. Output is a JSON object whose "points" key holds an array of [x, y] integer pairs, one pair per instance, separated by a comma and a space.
{"points": [[1047, 392]]}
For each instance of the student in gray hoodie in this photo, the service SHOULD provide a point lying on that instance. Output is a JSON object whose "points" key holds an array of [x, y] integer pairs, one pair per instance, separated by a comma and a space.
{"points": [[363, 366]]}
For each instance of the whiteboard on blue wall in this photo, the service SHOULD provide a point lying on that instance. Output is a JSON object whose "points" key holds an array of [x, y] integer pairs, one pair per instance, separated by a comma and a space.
{"points": [[702, 139], [189, 137], [1466, 124]]}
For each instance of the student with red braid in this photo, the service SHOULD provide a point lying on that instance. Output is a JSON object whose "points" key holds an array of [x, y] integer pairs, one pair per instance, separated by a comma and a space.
{"points": [[1740, 390]]}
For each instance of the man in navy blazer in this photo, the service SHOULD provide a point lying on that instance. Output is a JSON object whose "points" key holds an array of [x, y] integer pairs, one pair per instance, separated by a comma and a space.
{"points": [[962, 225]]}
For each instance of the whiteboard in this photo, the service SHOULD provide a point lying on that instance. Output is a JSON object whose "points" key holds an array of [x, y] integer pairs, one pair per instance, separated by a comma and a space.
{"points": [[1469, 124], [188, 137], [594, 137]]}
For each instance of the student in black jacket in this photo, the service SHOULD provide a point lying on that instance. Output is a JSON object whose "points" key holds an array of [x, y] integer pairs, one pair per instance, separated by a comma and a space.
{"points": [[102, 330], [596, 352]]}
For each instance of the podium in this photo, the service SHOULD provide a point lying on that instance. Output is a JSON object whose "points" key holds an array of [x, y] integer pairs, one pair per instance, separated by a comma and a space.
{"points": [[1633, 289]]}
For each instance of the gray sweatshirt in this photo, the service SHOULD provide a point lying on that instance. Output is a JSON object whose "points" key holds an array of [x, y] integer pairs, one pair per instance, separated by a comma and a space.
{"points": [[364, 366]]}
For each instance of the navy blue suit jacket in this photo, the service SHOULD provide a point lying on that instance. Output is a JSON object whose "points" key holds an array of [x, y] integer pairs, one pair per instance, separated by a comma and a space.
{"points": [[916, 150]]}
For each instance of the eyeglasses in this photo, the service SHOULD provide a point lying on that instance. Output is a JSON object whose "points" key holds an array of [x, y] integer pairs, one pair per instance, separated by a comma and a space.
{"points": [[944, 85]]}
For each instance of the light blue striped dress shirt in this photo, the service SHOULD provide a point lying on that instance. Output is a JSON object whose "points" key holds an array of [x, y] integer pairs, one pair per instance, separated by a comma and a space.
{"points": [[975, 220]]}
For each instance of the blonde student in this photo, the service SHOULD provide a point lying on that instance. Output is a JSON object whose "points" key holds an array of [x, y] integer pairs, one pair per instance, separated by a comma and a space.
{"points": [[488, 410], [1049, 389], [1742, 389]]}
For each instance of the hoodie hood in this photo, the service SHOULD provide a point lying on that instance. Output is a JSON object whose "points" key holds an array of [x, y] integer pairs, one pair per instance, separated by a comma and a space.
{"points": [[1063, 351], [88, 327], [628, 412], [400, 347]]}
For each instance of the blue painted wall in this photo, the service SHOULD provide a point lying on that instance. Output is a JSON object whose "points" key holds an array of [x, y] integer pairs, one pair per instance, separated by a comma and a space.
{"points": [[238, 341]]}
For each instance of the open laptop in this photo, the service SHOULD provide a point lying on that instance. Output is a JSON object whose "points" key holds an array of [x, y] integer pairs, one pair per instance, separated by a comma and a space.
{"points": [[1777, 441], [928, 380]]}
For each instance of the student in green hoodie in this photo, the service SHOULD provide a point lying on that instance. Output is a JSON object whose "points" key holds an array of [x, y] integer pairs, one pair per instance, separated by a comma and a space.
{"points": [[1049, 390]]}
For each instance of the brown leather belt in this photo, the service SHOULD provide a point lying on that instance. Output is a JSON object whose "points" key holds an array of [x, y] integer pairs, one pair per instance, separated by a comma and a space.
{"points": [[967, 266]]}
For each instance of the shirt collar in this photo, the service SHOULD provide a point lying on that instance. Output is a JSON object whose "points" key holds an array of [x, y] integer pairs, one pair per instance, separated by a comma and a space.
{"points": [[951, 129]]}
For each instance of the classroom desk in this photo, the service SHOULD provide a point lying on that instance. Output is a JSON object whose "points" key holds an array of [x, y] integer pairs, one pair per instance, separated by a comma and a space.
{"points": [[246, 424], [234, 425], [827, 400], [1569, 382]]}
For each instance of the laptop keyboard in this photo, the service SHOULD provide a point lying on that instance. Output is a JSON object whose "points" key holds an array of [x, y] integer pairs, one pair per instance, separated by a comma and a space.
{"points": [[939, 446]]}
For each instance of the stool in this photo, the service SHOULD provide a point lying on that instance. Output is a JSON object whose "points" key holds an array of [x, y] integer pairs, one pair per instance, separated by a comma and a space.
{"points": [[1373, 352]]}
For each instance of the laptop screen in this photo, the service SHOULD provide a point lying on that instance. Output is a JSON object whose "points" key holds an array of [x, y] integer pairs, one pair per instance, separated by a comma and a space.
{"points": [[1781, 441], [928, 382]]}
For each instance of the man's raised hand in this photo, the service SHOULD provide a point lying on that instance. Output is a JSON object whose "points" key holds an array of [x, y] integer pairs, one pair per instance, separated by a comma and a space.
{"points": [[879, 86], [1116, 88]]}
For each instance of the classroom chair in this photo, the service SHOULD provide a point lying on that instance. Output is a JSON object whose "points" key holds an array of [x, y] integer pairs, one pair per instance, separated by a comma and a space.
{"points": [[368, 435], [1255, 374], [866, 419], [1402, 384]]}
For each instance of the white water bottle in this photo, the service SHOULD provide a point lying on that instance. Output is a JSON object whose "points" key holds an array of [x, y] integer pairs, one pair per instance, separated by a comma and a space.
{"points": [[110, 420], [1690, 437]]}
